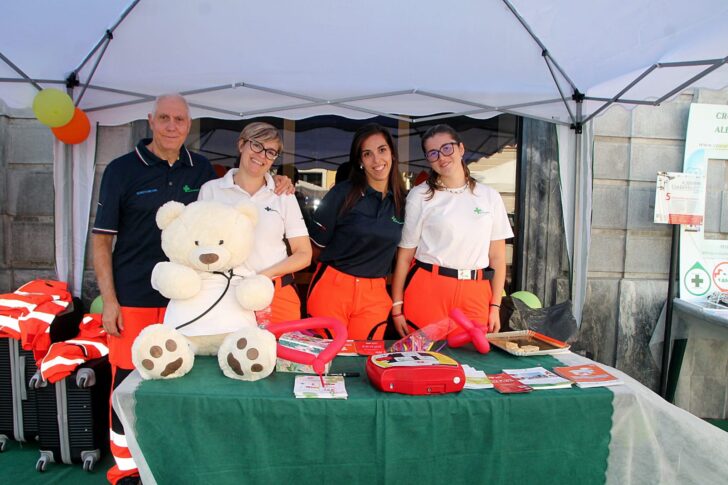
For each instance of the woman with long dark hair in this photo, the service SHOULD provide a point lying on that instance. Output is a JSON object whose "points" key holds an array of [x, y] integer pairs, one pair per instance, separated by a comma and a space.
{"points": [[452, 252], [358, 226]]}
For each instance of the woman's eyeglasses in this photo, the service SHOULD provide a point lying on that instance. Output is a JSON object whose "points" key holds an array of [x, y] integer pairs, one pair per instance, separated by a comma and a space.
{"points": [[258, 147], [446, 149]]}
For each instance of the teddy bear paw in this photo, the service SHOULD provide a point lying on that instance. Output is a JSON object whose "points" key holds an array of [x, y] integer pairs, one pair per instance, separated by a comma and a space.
{"points": [[255, 292], [160, 352], [175, 281], [248, 354]]}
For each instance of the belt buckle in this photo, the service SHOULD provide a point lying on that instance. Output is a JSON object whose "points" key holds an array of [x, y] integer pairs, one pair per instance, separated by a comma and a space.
{"points": [[465, 274]]}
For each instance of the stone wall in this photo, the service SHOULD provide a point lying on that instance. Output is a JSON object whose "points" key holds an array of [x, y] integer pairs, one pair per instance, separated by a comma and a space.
{"points": [[629, 256], [26, 201], [27, 196]]}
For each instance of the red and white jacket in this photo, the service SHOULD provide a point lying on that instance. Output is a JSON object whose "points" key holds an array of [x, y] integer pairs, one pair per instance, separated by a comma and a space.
{"points": [[63, 357], [27, 312]]}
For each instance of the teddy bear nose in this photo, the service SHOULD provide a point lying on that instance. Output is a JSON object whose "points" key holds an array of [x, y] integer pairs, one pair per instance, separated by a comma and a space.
{"points": [[208, 258]]}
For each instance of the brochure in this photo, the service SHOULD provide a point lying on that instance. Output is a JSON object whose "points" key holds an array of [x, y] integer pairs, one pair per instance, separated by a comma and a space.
{"points": [[476, 379], [538, 378], [348, 350], [369, 347], [506, 384], [588, 375], [310, 387]]}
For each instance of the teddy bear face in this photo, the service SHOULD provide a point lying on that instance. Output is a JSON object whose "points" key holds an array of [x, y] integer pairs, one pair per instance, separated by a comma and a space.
{"points": [[210, 236]]}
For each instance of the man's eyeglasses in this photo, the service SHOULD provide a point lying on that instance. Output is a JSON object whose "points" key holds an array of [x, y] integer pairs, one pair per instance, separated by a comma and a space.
{"points": [[446, 150], [258, 147]]}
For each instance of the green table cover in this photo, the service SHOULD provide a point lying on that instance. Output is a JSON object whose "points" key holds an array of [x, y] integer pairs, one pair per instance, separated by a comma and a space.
{"points": [[205, 428]]}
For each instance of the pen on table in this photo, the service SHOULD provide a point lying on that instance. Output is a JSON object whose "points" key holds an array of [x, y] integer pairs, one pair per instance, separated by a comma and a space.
{"points": [[344, 374]]}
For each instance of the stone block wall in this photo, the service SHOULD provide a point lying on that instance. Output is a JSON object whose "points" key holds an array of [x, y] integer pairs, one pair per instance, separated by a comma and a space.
{"points": [[629, 255], [26, 201], [27, 196]]}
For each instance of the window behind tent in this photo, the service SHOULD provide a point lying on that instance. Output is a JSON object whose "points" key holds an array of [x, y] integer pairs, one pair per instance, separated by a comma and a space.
{"points": [[314, 176], [318, 145]]}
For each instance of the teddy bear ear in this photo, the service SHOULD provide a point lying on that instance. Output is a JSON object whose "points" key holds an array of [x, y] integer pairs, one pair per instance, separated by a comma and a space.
{"points": [[168, 213], [248, 210]]}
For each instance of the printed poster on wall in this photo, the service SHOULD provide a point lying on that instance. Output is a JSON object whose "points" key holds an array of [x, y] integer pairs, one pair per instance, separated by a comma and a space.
{"points": [[679, 198], [703, 262]]}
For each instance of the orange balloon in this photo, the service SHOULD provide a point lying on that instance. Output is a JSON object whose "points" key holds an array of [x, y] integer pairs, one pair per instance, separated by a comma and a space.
{"points": [[76, 131]]}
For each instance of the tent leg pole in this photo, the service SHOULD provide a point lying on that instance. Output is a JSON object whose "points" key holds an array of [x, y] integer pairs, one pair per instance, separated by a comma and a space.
{"points": [[667, 343]]}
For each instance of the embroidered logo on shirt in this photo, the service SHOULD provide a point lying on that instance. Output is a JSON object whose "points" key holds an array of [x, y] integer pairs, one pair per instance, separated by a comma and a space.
{"points": [[187, 189], [479, 211], [270, 209], [395, 220], [148, 191]]}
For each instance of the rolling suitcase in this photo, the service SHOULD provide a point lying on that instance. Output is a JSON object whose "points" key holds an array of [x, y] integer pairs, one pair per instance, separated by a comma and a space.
{"points": [[73, 416], [18, 417]]}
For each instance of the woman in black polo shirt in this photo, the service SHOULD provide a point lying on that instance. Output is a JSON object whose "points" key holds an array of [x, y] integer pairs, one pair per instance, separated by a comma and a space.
{"points": [[358, 226]]}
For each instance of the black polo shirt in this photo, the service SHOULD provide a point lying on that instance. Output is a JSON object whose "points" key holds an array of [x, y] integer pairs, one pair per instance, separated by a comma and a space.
{"points": [[363, 241], [133, 187]]}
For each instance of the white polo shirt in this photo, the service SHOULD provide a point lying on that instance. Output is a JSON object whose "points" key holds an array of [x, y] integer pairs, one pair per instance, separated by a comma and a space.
{"points": [[454, 230], [279, 217]]}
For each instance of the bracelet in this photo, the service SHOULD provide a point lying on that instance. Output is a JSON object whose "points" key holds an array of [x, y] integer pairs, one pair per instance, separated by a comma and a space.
{"points": [[396, 315], [493, 304], [398, 302]]}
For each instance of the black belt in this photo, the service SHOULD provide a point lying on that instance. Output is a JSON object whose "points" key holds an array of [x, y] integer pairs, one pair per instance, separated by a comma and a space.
{"points": [[287, 279], [461, 274]]}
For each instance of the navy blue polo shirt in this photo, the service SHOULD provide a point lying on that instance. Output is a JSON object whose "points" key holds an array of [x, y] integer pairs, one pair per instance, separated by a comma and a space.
{"points": [[363, 241], [133, 187]]}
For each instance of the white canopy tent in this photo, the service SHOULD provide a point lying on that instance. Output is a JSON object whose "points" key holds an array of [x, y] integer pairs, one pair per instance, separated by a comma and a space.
{"points": [[563, 61]]}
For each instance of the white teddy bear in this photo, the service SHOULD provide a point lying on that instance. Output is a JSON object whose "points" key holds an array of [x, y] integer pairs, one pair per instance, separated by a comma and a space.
{"points": [[213, 296]]}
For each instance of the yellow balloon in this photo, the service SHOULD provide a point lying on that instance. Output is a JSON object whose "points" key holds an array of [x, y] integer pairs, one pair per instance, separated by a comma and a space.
{"points": [[53, 108]]}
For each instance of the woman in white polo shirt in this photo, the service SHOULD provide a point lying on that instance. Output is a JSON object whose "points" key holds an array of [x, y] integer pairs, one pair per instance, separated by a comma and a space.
{"points": [[279, 216], [452, 251]]}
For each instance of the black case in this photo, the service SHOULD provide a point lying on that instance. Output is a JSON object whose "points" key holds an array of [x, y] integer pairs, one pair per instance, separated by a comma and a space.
{"points": [[18, 418], [73, 416]]}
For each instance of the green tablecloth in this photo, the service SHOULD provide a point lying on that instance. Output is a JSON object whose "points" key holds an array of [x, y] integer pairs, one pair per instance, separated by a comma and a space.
{"points": [[205, 428]]}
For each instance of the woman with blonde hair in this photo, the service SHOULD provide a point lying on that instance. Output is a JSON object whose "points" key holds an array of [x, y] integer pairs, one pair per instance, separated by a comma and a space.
{"points": [[279, 217]]}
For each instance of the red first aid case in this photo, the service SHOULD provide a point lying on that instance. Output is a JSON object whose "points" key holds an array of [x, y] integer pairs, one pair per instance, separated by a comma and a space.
{"points": [[416, 373]]}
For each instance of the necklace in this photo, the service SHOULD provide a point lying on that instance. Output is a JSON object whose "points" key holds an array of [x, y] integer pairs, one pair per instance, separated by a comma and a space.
{"points": [[455, 190]]}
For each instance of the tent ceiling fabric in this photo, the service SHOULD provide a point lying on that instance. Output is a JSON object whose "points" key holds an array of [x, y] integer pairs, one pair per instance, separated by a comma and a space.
{"points": [[357, 59]]}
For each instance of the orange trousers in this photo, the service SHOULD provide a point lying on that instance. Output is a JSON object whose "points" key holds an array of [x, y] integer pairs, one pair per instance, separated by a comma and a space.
{"points": [[286, 304], [362, 304], [429, 297]]}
